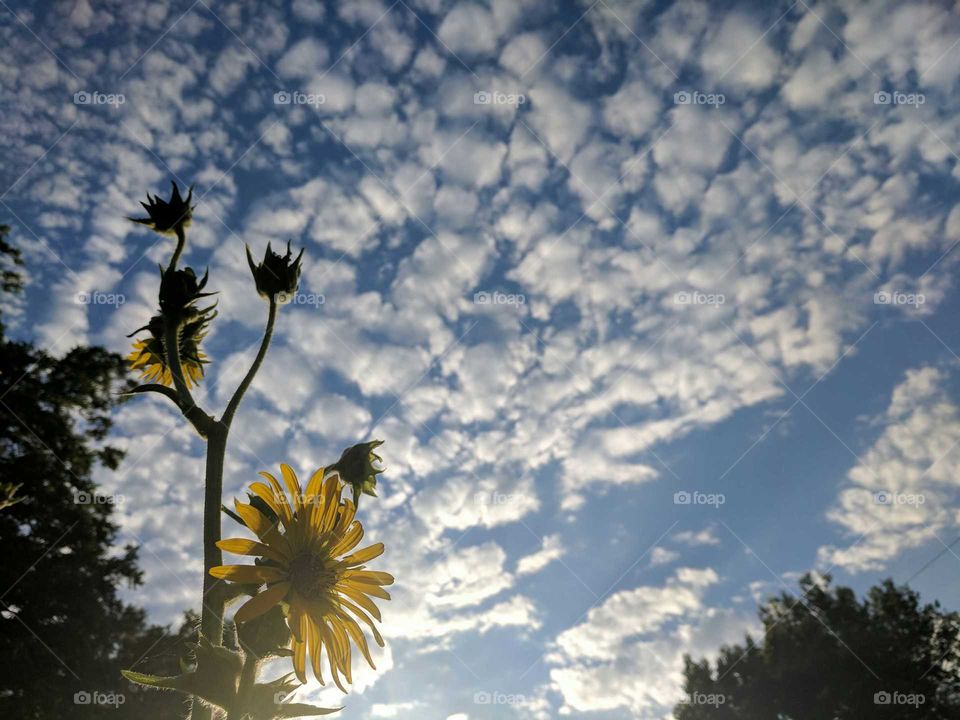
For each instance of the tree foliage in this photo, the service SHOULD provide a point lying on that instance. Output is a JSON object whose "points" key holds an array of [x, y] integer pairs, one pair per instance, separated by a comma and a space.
{"points": [[64, 630], [828, 656]]}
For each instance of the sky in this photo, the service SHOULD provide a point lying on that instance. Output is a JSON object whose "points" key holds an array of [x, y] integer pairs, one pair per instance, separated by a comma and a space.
{"points": [[652, 304]]}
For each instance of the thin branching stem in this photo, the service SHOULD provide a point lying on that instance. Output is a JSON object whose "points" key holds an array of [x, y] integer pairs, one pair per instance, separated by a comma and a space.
{"points": [[181, 242], [252, 372]]}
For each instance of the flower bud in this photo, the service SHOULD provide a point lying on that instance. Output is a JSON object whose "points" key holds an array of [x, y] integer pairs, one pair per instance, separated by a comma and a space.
{"points": [[277, 276], [179, 290], [167, 217], [356, 468]]}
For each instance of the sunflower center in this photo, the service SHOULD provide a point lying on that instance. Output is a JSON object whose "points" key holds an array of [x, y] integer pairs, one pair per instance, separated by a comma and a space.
{"points": [[312, 576]]}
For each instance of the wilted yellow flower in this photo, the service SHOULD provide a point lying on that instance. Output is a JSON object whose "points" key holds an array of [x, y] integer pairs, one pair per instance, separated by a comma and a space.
{"points": [[149, 357], [303, 563]]}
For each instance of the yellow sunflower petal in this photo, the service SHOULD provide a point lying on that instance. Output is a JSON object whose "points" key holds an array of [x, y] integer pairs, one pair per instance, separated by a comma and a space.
{"points": [[300, 660], [355, 594], [365, 618], [357, 634], [261, 602], [247, 574], [313, 488], [350, 540], [340, 635], [315, 655], [366, 555], [261, 526], [371, 577], [286, 514], [293, 485], [333, 654], [243, 546]]}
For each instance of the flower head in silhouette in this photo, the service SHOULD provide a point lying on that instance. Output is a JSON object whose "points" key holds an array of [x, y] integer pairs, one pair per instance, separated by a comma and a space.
{"points": [[277, 276], [167, 216], [303, 562], [149, 357], [358, 468]]}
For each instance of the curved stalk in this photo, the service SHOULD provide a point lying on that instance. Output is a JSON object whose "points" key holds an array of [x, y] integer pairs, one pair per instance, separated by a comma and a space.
{"points": [[198, 418], [181, 241], [171, 342], [252, 372]]}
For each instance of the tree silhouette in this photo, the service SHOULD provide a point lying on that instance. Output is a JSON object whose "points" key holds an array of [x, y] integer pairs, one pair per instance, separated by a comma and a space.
{"points": [[828, 656], [63, 628]]}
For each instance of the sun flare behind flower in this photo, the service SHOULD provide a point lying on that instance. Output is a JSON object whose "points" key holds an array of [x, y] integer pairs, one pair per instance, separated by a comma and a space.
{"points": [[302, 560]]}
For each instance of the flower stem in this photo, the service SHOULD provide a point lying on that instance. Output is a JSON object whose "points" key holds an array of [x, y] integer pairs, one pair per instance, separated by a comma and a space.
{"points": [[171, 342], [252, 372], [248, 677], [211, 616], [181, 241]]}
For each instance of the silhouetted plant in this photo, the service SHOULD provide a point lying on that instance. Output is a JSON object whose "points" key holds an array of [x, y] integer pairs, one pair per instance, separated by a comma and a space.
{"points": [[308, 587]]}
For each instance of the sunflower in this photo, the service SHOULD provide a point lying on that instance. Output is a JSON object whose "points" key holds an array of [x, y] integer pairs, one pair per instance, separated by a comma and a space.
{"points": [[149, 357], [302, 561]]}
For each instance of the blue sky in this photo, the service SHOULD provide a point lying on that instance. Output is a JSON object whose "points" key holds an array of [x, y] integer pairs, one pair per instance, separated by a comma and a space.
{"points": [[574, 264]]}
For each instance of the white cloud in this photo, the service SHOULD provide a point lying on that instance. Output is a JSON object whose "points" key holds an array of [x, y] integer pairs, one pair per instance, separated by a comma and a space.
{"points": [[628, 653], [469, 30], [903, 492], [305, 59], [552, 550]]}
